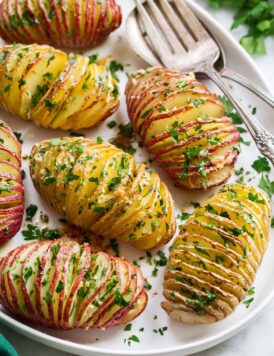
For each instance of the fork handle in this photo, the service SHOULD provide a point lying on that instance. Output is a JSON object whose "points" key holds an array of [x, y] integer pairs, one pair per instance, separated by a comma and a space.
{"points": [[256, 89], [263, 139]]}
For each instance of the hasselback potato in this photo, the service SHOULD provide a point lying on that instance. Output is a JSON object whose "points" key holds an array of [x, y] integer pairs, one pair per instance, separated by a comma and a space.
{"points": [[214, 260], [53, 89], [182, 125], [11, 184], [75, 24], [98, 187], [61, 284]]}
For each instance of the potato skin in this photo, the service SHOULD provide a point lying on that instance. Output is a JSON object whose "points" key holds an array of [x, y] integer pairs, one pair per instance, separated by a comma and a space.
{"points": [[183, 127], [11, 184], [98, 187], [55, 90], [213, 262], [72, 24], [63, 285]]}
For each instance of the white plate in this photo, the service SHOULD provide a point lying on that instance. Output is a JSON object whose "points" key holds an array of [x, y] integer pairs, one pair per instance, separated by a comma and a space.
{"points": [[179, 339]]}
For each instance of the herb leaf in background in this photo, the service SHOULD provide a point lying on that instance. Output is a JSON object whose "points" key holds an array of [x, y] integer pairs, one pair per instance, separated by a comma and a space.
{"points": [[257, 15]]}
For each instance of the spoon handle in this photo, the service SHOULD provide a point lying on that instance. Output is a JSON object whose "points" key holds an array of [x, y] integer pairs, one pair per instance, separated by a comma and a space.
{"points": [[263, 139], [248, 84]]}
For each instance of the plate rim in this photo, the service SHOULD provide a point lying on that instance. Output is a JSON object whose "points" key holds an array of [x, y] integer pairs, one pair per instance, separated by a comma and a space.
{"points": [[196, 346]]}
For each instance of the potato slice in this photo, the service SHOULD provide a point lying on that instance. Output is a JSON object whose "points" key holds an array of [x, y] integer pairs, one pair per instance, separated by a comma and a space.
{"points": [[39, 78], [8, 139], [18, 82], [8, 296], [74, 273], [31, 268], [122, 297], [52, 103], [18, 277]]}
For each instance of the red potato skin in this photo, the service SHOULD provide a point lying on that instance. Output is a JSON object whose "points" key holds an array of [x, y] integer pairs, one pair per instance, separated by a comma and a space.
{"points": [[165, 135], [134, 101], [5, 263], [124, 311], [33, 313], [150, 118], [101, 311], [2, 148], [59, 24], [15, 32], [46, 33], [231, 129], [48, 25], [174, 94], [65, 318], [36, 25], [4, 32], [64, 250], [25, 292], [89, 7], [92, 297], [77, 23], [30, 38], [41, 318], [10, 283], [12, 203]]}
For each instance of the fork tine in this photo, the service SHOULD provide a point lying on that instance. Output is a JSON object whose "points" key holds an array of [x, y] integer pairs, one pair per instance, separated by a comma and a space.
{"points": [[160, 44], [177, 24], [166, 28], [147, 40], [191, 20]]}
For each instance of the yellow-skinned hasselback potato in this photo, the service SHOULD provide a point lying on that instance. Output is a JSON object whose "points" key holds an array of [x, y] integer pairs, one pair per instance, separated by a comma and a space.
{"points": [[98, 187], [182, 125], [53, 89], [213, 262], [74, 23], [63, 285]]}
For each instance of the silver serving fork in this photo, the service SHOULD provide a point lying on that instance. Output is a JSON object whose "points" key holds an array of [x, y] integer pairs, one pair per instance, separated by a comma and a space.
{"points": [[182, 43]]}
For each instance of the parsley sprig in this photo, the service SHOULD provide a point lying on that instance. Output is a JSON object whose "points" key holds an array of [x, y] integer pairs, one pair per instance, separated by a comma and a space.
{"points": [[257, 15]]}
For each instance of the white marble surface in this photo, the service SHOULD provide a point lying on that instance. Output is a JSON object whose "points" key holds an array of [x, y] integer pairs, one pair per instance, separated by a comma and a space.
{"points": [[257, 339]]}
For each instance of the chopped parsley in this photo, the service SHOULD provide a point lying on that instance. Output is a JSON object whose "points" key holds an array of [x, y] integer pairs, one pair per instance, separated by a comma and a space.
{"points": [[60, 287], [120, 300], [34, 233], [256, 16], [115, 67], [93, 58], [31, 211], [27, 273], [99, 140], [266, 185], [50, 104], [261, 165], [48, 180], [146, 113], [128, 327]]}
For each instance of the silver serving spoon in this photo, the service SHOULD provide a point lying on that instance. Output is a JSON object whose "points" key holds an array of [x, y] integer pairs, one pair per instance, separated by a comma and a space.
{"points": [[140, 42]]}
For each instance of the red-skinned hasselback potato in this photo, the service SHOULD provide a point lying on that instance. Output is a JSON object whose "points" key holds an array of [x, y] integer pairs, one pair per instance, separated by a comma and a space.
{"points": [[183, 126], [73, 24], [63, 285], [11, 184]]}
